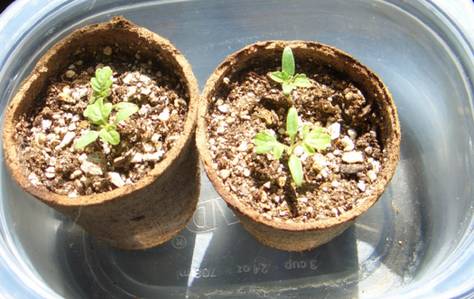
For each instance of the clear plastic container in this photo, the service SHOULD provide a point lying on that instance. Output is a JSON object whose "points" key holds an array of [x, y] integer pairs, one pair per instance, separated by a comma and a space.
{"points": [[416, 242]]}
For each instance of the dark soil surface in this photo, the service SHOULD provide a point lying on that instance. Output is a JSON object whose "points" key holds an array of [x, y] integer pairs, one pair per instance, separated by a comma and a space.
{"points": [[47, 135], [335, 179]]}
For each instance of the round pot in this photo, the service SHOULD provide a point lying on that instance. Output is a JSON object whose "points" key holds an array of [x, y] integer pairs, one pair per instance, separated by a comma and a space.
{"points": [[136, 216], [295, 236]]}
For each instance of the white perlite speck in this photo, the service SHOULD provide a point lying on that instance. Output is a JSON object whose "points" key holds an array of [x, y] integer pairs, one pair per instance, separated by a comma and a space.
{"points": [[334, 130], [303, 199], [155, 138], [145, 79], [145, 90], [347, 143], [72, 194], [375, 165], [243, 147], [372, 175], [319, 161], [148, 148], [116, 179], [75, 174], [361, 186], [137, 158], [164, 115], [46, 124], [153, 156], [79, 93], [223, 108], [128, 78], [352, 133], [33, 178], [220, 130], [144, 109], [66, 140], [91, 168], [224, 173], [324, 172], [298, 151], [353, 157], [50, 172]]}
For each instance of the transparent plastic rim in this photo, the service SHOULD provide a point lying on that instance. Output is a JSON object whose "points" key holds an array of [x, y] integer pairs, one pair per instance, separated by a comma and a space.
{"points": [[19, 280]]}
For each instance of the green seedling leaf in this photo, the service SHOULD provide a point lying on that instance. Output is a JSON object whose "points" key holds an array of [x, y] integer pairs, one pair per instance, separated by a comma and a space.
{"points": [[124, 111], [93, 113], [96, 87], [287, 88], [105, 109], [104, 75], [300, 80], [278, 150], [292, 123], [308, 149], [318, 139], [101, 83], [306, 129], [279, 77], [288, 62], [266, 143], [264, 137], [296, 169], [86, 139], [110, 136], [98, 111]]}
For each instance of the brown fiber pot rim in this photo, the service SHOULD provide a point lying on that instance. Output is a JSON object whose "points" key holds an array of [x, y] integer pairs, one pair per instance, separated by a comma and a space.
{"points": [[230, 64], [9, 122]]}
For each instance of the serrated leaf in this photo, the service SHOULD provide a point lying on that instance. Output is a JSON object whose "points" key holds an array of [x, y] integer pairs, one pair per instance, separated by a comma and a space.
{"points": [[296, 169], [86, 139], [102, 82], [292, 123], [103, 75], [318, 139], [96, 87], [288, 61], [287, 88], [277, 76], [110, 136], [124, 111], [93, 113], [301, 80]]}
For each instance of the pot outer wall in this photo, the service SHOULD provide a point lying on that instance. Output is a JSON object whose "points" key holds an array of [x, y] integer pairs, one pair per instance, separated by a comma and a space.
{"points": [[303, 236], [158, 206]]}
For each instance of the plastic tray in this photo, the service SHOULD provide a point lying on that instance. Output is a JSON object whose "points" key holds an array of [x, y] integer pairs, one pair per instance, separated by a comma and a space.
{"points": [[416, 242]]}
